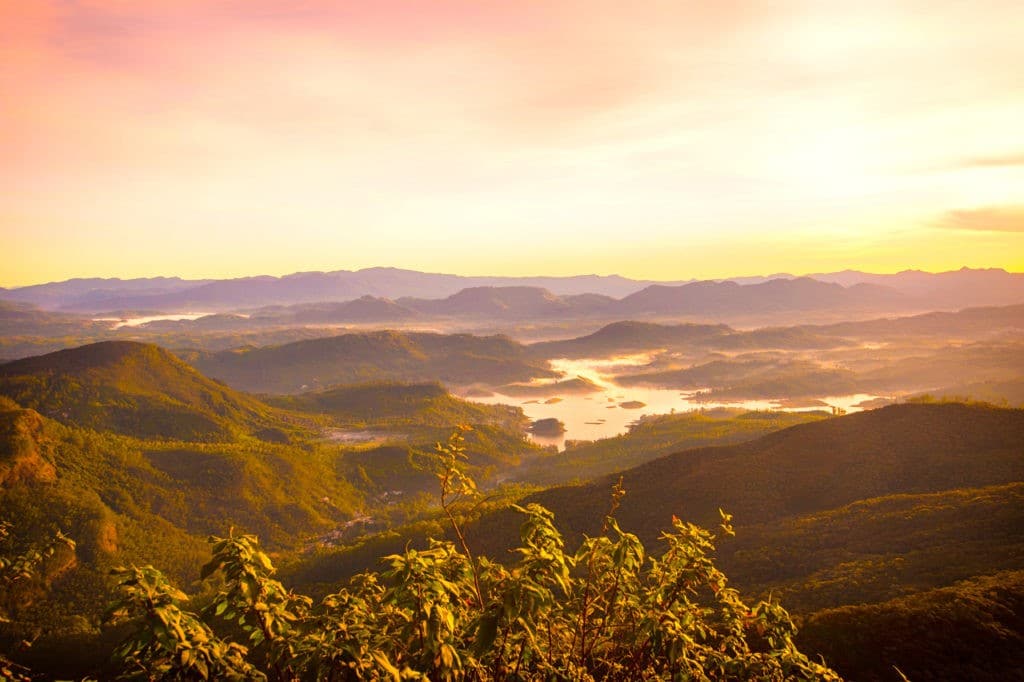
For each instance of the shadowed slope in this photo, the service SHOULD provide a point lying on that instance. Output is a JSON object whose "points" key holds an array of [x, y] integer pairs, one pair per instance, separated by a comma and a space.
{"points": [[812, 467]]}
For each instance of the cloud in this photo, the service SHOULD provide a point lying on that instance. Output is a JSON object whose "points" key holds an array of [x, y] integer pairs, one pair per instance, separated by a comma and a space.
{"points": [[655, 122], [1002, 161], [988, 219]]}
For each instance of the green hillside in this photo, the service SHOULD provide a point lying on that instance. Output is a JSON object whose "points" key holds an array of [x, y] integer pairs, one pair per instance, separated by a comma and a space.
{"points": [[654, 436], [125, 500], [814, 467], [973, 630], [881, 548], [404, 466], [136, 389], [399, 470], [279, 490], [853, 521], [861, 509], [402, 422], [457, 359]]}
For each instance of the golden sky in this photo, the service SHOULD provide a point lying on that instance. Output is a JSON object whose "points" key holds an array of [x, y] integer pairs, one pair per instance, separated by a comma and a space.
{"points": [[663, 140]]}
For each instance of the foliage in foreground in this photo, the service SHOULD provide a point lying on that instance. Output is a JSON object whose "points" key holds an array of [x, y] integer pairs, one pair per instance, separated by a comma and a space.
{"points": [[607, 612], [19, 573]]}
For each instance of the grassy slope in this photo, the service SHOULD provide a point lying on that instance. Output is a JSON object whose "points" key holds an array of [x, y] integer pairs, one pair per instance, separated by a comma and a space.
{"points": [[860, 508], [133, 500]]}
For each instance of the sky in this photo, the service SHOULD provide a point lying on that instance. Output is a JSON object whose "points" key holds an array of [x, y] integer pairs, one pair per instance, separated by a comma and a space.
{"points": [[657, 140]]}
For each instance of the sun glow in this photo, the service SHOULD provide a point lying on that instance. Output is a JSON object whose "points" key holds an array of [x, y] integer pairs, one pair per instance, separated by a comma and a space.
{"points": [[161, 138], [832, 164]]}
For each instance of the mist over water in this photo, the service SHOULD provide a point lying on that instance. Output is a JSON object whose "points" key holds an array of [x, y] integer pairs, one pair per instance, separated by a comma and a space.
{"points": [[145, 319], [600, 414]]}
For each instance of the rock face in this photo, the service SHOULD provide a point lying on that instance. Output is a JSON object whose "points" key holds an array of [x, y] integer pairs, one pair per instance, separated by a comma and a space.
{"points": [[106, 537], [24, 461], [547, 427]]}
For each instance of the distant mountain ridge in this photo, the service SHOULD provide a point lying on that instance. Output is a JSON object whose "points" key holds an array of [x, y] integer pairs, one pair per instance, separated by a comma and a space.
{"points": [[511, 302], [170, 294], [83, 291], [98, 295], [631, 335], [363, 309], [802, 293], [955, 288]]}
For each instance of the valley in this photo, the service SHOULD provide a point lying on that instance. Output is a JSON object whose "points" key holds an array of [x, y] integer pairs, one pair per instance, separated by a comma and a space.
{"points": [[554, 341], [852, 455]]}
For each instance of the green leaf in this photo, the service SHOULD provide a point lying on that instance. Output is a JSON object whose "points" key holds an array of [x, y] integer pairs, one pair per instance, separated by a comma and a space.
{"points": [[383, 662], [486, 632]]}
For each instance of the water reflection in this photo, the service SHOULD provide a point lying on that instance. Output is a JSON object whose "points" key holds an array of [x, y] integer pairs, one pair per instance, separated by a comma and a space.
{"points": [[136, 321], [611, 409]]}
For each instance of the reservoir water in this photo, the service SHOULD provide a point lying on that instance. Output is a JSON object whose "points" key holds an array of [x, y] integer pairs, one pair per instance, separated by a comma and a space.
{"points": [[610, 411], [136, 321]]}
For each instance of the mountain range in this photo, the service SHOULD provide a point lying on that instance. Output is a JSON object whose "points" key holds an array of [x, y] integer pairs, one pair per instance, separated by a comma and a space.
{"points": [[168, 294], [439, 294], [865, 525]]}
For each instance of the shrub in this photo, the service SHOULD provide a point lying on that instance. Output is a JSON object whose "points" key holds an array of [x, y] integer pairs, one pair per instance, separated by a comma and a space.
{"points": [[607, 612]]}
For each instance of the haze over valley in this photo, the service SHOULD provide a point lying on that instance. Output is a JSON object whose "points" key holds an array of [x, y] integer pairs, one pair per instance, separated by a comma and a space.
{"points": [[596, 383], [313, 425], [494, 342]]}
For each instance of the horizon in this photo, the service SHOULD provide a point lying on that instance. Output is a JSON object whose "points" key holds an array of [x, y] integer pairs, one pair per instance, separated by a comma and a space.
{"points": [[259, 259], [770, 276], [658, 141]]}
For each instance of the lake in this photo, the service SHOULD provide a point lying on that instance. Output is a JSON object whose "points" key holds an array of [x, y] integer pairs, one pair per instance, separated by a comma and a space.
{"points": [[136, 321], [601, 414]]}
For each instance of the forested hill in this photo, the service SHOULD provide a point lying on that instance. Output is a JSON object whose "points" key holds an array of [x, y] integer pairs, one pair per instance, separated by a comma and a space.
{"points": [[901, 449], [133, 388], [883, 505]]}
